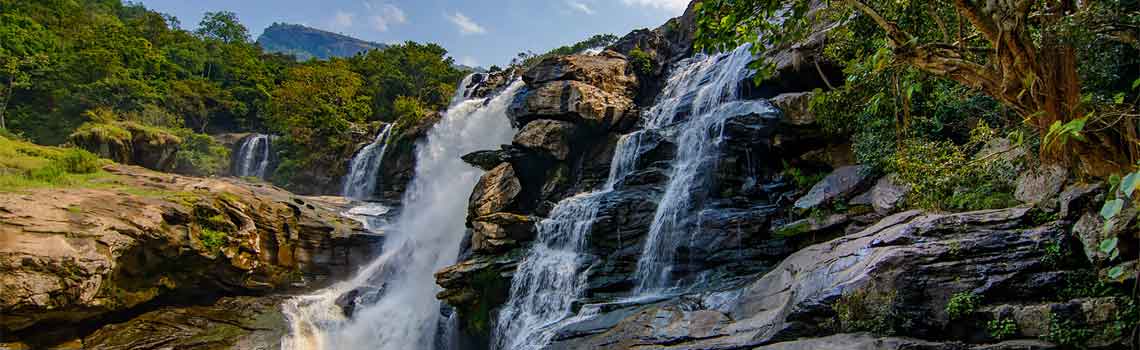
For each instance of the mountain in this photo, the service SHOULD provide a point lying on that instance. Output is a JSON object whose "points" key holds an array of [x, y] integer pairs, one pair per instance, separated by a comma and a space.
{"points": [[305, 42]]}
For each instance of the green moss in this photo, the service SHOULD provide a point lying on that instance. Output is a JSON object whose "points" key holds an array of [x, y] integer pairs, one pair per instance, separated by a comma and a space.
{"points": [[492, 290], [1001, 328], [212, 240], [101, 133], [793, 229], [961, 305], [24, 165]]}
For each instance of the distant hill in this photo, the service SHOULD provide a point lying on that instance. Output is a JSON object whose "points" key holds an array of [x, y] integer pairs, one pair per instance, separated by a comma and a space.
{"points": [[306, 43]]}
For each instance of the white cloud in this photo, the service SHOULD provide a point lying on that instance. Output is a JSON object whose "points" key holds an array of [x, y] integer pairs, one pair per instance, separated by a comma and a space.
{"points": [[385, 15], [469, 61], [342, 20], [580, 7], [675, 6], [465, 24]]}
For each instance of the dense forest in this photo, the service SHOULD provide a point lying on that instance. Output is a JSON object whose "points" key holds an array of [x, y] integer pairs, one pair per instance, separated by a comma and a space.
{"points": [[101, 71]]}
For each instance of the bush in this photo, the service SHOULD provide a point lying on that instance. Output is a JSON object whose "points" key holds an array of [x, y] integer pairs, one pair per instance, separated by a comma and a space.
{"points": [[1001, 328], [77, 161], [201, 155], [942, 175], [642, 63], [961, 305]]}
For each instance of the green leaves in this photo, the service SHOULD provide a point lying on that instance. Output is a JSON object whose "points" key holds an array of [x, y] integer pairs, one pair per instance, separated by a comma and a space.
{"points": [[1109, 246], [1111, 208], [1063, 132], [1116, 272], [1136, 84], [1129, 183]]}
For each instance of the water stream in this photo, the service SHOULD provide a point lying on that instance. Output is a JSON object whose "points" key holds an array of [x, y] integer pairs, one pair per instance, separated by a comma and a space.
{"points": [[422, 239], [364, 171]]}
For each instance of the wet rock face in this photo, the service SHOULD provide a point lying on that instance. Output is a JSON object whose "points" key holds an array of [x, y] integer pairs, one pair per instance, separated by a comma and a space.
{"points": [[918, 260], [73, 255]]}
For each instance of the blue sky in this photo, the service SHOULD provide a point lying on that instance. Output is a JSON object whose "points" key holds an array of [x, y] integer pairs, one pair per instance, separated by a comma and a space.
{"points": [[476, 32]]}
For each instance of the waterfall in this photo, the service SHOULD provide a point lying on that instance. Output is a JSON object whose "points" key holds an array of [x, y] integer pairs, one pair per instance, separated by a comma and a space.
{"points": [[252, 158], [364, 170], [698, 98], [423, 238], [548, 279]]}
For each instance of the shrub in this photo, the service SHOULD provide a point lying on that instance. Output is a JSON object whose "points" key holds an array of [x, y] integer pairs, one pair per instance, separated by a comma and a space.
{"points": [[942, 175], [961, 305], [202, 154], [1066, 333], [866, 311], [1001, 328], [642, 63]]}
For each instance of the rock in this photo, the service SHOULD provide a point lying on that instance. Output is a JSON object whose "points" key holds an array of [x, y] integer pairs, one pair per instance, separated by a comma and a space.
{"points": [[1077, 198], [858, 341], [496, 191], [241, 323], [839, 185], [476, 287], [834, 156], [606, 71], [550, 136], [1034, 320], [795, 108], [888, 195], [130, 143], [1090, 230], [73, 255], [1037, 185], [810, 225], [799, 67], [488, 160], [501, 232], [917, 260], [488, 84], [576, 102]]}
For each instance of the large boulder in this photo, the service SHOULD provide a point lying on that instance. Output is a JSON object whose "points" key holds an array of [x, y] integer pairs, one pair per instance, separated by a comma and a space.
{"points": [[795, 108], [575, 102], [888, 194], [1040, 184], [606, 71], [130, 143], [838, 185], [75, 255], [497, 191], [500, 232], [552, 137], [241, 323]]}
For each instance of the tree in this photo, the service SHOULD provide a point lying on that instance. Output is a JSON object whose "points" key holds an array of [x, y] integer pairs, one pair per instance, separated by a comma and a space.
{"points": [[318, 100], [1019, 52], [222, 26]]}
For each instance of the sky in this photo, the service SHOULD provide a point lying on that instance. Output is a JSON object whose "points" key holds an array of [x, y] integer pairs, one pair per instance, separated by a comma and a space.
{"points": [[475, 32]]}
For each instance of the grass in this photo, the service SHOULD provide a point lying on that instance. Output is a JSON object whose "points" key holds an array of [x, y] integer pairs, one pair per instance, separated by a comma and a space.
{"points": [[212, 240], [24, 166]]}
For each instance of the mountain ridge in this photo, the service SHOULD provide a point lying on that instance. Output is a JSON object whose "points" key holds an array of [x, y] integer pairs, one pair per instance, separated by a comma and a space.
{"points": [[306, 42]]}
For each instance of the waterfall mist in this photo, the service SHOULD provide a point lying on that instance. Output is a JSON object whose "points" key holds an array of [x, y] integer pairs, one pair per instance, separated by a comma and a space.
{"points": [[424, 238]]}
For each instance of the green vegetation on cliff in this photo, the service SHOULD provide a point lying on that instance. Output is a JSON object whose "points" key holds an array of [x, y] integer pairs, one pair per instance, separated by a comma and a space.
{"points": [[307, 43], [105, 74]]}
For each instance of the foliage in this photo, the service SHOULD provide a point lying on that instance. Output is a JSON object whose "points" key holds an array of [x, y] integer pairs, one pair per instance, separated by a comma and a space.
{"points": [[800, 179], [1046, 64], [24, 165], [961, 305], [1121, 196], [1001, 328], [529, 59], [942, 175], [867, 311], [1067, 333], [642, 63], [202, 154]]}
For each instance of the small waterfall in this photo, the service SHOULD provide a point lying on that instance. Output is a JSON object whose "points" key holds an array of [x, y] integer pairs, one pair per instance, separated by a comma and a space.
{"points": [[697, 100], [252, 158], [364, 171], [423, 238]]}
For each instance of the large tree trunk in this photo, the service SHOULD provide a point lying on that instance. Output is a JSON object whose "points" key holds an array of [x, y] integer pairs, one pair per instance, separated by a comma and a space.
{"points": [[1040, 83]]}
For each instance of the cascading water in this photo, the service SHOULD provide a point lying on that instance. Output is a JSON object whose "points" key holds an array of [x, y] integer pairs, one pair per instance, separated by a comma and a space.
{"points": [[698, 99], [363, 173], [253, 156], [424, 238]]}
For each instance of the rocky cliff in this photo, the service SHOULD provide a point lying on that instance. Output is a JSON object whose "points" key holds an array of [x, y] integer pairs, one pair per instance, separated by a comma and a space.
{"points": [[140, 247]]}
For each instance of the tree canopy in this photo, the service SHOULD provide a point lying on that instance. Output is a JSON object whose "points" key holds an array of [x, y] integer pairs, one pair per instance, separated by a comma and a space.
{"points": [[1061, 66]]}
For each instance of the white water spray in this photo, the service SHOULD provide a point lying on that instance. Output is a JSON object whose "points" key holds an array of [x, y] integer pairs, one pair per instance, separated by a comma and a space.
{"points": [[424, 238]]}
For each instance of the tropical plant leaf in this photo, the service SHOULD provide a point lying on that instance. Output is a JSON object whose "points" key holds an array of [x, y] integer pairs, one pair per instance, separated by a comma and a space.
{"points": [[1109, 245], [1116, 272], [1111, 208], [1129, 183], [1136, 84]]}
